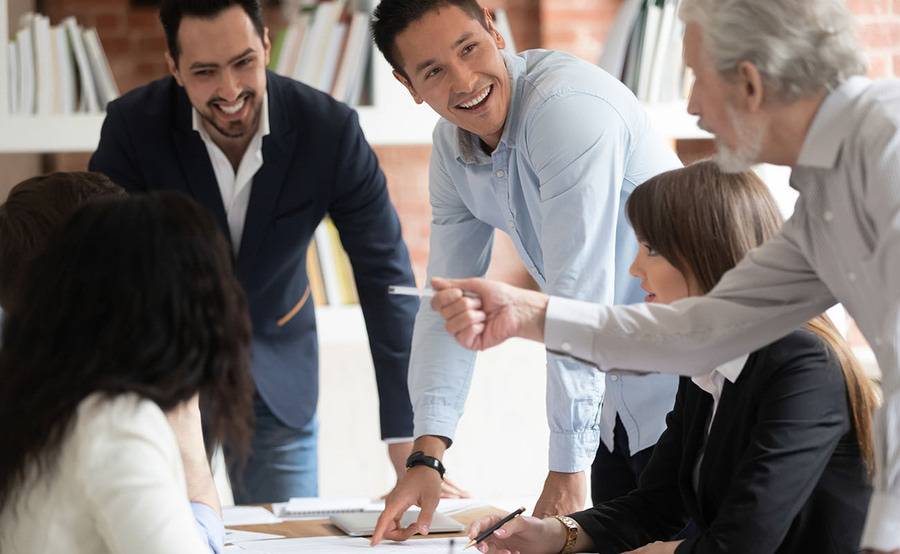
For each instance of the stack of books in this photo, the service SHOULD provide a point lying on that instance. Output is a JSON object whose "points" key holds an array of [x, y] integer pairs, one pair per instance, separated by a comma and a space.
{"points": [[328, 267], [326, 46], [643, 49], [57, 69]]}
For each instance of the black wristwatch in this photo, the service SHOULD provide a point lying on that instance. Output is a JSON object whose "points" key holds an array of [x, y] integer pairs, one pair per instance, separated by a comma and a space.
{"points": [[418, 458]]}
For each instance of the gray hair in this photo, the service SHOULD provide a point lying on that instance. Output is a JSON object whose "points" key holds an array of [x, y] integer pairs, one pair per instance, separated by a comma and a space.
{"points": [[800, 46]]}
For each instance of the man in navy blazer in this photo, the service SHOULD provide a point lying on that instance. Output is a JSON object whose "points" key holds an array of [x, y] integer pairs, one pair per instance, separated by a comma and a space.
{"points": [[269, 157]]}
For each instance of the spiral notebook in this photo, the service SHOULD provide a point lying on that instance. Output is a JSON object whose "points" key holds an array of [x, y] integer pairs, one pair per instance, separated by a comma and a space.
{"points": [[323, 507]]}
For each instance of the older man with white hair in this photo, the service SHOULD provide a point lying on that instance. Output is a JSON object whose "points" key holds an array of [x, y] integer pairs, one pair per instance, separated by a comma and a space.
{"points": [[777, 82]]}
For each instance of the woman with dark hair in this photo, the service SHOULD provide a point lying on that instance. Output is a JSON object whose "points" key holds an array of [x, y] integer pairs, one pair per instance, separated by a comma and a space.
{"points": [[769, 453], [128, 317]]}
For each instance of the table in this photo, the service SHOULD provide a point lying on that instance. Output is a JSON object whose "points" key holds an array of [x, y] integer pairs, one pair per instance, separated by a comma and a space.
{"points": [[323, 527]]}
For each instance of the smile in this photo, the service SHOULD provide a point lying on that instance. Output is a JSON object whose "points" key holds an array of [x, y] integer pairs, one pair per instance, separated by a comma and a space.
{"points": [[478, 100], [234, 108]]}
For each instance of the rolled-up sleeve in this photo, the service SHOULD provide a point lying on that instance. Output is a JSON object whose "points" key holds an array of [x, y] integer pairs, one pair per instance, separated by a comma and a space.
{"points": [[209, 526], [440, 370]]}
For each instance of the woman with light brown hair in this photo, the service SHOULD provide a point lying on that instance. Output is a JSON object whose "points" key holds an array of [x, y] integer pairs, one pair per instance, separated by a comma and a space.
{"points": [[768, 453]]}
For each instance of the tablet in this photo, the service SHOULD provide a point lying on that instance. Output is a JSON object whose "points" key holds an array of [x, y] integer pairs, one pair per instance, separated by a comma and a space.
{"points": [[362, 524]]}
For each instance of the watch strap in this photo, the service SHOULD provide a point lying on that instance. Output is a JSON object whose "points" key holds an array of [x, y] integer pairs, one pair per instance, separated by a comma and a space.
{"points": [[419, 458], [571, 533]]}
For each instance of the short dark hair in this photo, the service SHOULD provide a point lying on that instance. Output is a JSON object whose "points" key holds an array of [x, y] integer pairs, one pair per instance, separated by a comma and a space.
{"points": [[32, 211], [171, 12], [392, 17], [131, 296]]}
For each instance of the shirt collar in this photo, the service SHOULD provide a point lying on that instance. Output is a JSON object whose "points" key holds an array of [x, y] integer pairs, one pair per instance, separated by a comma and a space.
{"points": [[469, 144], [732, 370], [264, 129], [830, 127]]}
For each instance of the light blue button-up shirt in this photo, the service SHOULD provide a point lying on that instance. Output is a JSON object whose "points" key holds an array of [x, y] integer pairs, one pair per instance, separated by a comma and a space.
{"points": [[575, 144]]}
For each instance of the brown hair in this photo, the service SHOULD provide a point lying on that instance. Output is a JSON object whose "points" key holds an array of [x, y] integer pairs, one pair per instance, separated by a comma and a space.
{"points": [[34, 209], [704, 221]]}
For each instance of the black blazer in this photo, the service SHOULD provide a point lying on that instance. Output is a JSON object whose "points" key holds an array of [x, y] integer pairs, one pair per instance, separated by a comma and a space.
{"points": [[316, 161], [781, 471]]}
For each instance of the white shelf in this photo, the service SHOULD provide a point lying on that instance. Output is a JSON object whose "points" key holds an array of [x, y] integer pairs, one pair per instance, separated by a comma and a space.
{"points": [[410, 124], [38, 134]]}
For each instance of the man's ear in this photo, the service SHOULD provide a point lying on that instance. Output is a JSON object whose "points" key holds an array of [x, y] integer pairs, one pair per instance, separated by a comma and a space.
{"points": [[267, 45], [492, 29], [173, 68], [750, 87], [405, 82]]}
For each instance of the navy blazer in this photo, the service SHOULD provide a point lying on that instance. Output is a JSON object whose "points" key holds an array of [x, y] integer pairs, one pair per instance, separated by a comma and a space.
{"points": [[781, 470], [316, 161]]}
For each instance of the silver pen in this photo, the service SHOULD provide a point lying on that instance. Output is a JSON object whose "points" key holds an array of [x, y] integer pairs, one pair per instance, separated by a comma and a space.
{"points": [[421, 293]]}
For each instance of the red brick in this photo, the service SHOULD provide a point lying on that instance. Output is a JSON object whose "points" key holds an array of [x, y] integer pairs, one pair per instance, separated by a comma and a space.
{"points": [[144, 18], [878, 66], [111, 23], [879, 34], [869, 7]]}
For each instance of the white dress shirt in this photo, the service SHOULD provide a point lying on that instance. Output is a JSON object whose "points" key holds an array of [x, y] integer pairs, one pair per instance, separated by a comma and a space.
{"points": [[842, 244], [118, 487], [713, 383], [234, 185]]}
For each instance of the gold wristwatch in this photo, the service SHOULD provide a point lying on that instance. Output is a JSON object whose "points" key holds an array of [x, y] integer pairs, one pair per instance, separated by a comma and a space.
{"points": [[571, 533]]}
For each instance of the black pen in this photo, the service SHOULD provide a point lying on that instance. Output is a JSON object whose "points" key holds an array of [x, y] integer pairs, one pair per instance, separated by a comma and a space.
{"points": [[487, 533]]}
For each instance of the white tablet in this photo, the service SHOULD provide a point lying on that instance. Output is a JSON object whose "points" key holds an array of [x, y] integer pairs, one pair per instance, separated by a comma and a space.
{"points": [[362, 524]]}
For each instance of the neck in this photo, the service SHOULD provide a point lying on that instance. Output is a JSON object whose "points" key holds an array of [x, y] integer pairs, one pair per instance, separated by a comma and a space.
{"points": [[786, 137], [233, 148]]}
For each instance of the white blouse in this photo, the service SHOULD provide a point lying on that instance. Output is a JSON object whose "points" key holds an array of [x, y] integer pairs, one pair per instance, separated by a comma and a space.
{"points": [[118, 487]]}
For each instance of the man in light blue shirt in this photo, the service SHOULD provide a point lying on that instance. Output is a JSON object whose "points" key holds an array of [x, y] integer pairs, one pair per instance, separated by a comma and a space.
{"points": [[546, 148]]}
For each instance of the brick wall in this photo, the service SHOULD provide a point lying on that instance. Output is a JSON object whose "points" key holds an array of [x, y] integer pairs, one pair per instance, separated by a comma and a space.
{"points": [[879, 27], [135, 44]]}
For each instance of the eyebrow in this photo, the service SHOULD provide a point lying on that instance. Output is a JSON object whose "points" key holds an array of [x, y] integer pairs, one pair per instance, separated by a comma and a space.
{"points": [[464, 37], [202, 65]]}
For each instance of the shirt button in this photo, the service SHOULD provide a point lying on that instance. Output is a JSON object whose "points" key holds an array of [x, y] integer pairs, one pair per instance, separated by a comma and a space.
{"points": [[851, 276], [613, 377], [500, 174], [566, 347], [828, 216]]}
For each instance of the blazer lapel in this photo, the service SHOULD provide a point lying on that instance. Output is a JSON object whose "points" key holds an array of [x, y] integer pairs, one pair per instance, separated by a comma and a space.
{"points": [[277, 151], [702, 407], [196, 165]]}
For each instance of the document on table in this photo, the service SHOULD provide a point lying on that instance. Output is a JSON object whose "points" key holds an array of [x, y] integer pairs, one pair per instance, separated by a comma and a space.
{"points": [[247, 515], [334, 545], [319, 508], [234, 537]]}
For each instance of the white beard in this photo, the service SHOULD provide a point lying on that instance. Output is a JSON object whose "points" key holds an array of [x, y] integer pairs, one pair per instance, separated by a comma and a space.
{"points": [[748, 144]]}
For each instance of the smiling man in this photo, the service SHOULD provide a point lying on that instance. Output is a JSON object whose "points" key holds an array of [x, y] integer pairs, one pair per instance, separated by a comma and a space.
{"points": [[546, 148], [269, 157]]}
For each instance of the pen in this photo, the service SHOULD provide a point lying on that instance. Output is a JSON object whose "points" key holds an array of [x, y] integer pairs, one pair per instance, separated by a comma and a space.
{"points": [[488, 532], [421, 293]]}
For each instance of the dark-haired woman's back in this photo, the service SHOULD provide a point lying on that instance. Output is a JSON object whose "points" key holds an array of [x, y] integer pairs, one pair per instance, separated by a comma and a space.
{"points": [[119, 465]]}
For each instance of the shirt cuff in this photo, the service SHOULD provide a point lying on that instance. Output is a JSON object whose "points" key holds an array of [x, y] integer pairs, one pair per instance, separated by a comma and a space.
{"points": [[882, 531], [569, 328], [397, 440], [209, 526], [573, 452]]}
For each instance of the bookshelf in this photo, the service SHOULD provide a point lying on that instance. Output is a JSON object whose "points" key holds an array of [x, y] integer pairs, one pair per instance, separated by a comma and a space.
{"points": [[392, 119]]}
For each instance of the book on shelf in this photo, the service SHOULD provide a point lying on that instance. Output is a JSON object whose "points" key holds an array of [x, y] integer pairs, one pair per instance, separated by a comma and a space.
{"points": [[326, 46], [329, 268], [644, 50], [57, 69]]}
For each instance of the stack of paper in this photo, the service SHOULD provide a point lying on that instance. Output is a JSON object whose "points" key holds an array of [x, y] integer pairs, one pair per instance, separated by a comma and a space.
{"points": [[247, 515]]}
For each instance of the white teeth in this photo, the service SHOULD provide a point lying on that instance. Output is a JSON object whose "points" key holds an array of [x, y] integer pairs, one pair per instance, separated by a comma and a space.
{"points": [[478, 100], [231, 110]]}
